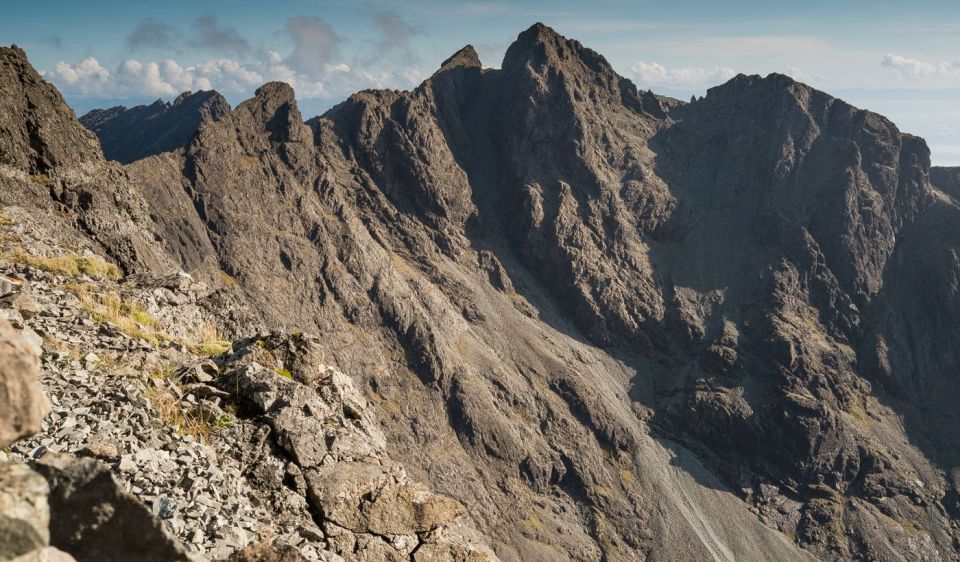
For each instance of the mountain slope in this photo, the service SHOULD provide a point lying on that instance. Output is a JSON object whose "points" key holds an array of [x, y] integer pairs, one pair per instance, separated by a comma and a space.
{"points": [[131, 134], [613, 325], [38, 131]]}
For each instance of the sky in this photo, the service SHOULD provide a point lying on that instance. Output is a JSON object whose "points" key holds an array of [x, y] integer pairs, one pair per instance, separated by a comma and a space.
{"points": [[900, 59]]}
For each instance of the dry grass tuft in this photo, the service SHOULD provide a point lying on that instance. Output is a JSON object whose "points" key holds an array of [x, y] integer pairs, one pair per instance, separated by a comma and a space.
{"points": [[194, 420], [72, 265], [227, 279], [126, 316], [210, 342]]}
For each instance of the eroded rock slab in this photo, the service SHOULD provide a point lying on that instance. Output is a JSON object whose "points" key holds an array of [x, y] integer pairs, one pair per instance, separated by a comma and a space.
{"points": [[95, 519]]}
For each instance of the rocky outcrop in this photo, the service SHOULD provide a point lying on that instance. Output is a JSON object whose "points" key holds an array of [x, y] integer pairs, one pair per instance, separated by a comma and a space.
{"points": [[24, 514], [135, 133], [38, 130], [22, 405], [946, 180], [318, 438], [58, 504], [93, 518]]}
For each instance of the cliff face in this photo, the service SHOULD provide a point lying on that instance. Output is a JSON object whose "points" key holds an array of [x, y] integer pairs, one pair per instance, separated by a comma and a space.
{"points": [[132, 134], [38, 131], [946, 179], [612, 324]]}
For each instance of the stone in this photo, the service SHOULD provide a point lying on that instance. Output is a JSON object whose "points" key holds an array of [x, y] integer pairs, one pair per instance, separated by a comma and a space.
{"points": [[24, 513], [101, 450], [9, 288], [22, 404], [33, 339], [365, 498], [267, 552], [93, 518]]}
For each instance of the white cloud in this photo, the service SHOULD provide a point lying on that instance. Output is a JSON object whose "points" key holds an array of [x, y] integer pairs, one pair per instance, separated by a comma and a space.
{"points": [[313, 67], [84, 77], [167, 78], [315, 44], [916, 69], [655, 74]]}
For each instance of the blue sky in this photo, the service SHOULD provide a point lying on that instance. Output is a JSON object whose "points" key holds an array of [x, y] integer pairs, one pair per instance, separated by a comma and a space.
{"points": [[897, 58]]}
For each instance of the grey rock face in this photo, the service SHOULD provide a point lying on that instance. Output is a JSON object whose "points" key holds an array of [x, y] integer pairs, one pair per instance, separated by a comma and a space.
{"points": [[946, 179], [93, 518], [24, 514], [22, 405], [38, 131], [135, 133]]}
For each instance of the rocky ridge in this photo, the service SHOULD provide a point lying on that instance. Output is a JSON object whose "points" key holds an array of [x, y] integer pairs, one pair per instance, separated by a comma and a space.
{"points": [[129, 134], [588, 314]]}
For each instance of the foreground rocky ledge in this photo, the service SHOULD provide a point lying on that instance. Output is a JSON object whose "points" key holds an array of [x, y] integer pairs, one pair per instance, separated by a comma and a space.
{"points": [[260, 448]]}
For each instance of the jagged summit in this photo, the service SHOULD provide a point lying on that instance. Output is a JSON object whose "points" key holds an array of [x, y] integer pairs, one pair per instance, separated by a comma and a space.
{"points": [[465, 57], [274, 109], [541, 45], [135, 133], [771, 82], [275, 93]]}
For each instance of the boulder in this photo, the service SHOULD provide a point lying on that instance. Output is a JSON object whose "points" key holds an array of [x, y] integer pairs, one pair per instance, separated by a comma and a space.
{"points": [[22, 404], [369, 498], [24, 513], [95, 519]]}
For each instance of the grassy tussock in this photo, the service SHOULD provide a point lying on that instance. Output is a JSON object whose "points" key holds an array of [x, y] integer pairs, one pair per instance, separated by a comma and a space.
{"points": [[195, 421], [126, 316], [70, 265], [210, 343]]}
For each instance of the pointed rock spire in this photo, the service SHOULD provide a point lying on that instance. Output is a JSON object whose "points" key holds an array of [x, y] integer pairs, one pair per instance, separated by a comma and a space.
{"points": [[465, 57]]}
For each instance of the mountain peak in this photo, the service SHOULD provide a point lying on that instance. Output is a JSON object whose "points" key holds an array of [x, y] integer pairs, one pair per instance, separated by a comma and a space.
{"points": [[182, 97], [40, 130], [14, 51], [465, 57], [541, 45], [131, 134], [274, 108], [540, 33], [279, 92]]}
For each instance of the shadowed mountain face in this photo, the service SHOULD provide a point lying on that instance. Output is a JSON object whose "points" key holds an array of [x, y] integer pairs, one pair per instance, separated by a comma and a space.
{"points": [[946, 179], [614, 325], [131, 134]]}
